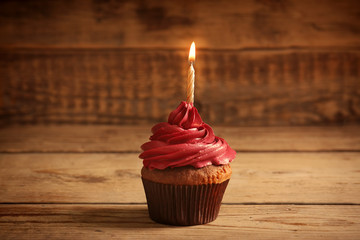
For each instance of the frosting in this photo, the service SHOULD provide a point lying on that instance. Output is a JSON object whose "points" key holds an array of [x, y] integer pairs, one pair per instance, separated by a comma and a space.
{"points": [[185, 140]]}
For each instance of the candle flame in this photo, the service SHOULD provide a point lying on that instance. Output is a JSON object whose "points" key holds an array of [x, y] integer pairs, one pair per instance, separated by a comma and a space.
{"points": [[192, 53]]}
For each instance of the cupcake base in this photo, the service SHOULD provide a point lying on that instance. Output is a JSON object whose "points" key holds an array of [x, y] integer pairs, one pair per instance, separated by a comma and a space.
{"points": [[183, 205]]}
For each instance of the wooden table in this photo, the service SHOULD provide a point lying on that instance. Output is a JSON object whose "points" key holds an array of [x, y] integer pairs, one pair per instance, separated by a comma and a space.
{"points": [[83, 182]]}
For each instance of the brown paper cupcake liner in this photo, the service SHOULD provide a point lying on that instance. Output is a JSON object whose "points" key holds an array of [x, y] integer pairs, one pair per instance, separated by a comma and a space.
{"points": [[183, 204]]}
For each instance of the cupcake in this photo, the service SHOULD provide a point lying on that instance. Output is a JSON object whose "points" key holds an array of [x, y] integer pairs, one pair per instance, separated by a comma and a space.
{"points": [[186, 169]]}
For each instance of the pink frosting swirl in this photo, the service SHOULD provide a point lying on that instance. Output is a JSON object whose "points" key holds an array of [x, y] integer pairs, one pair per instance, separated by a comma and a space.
{"points": [[185, 140]]}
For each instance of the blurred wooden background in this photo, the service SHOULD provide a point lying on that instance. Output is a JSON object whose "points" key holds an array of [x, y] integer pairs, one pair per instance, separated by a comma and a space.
{"points": [[259, 62]]}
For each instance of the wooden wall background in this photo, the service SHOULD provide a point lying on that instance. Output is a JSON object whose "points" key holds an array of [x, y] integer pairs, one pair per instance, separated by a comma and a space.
{"points": [[259, 62]]}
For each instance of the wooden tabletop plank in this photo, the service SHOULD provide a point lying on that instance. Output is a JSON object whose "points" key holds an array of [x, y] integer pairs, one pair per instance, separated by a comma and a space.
{"points": [[115, 178], [79, 138], [132, 222]]}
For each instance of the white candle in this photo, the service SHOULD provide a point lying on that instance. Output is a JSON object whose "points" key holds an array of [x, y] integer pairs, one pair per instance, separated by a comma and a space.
{"points": [[191, 75]]}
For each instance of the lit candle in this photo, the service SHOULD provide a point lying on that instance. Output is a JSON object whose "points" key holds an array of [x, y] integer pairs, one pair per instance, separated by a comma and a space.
{"points": [[191, 75]]}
